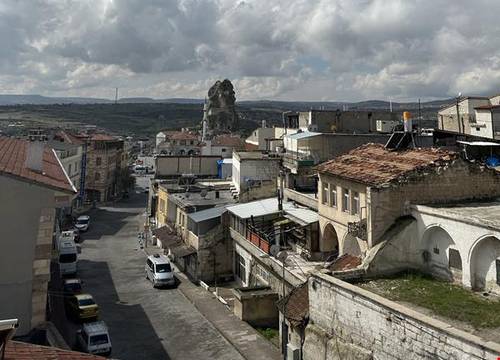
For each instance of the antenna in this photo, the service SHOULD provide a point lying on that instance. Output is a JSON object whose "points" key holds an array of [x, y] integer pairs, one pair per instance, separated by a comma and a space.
{"points": [[116, 96]]}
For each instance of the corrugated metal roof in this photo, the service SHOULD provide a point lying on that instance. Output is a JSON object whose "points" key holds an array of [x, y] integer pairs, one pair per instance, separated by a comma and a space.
{"points": [[303, 135], [203, 215], [258, 208], [302, 216]]}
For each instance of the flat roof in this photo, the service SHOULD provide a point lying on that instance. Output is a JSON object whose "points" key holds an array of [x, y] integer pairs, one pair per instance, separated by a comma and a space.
{"points": [[185, 199], [302, 135], [484, 214], [302, 216], [203, 215], [254, 155], [258, 208]]}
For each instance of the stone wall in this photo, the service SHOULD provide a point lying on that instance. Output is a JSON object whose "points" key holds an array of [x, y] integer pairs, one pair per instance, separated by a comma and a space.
{"points": [[347, 322]]}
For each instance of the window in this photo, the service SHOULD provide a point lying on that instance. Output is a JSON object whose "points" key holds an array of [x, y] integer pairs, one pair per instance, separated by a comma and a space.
{"points": [[191, 142], [324, 194], [98, 161], [345, 200], [223, 150], [76, 166], [183, 142], [333, 195], [239, 267], [162, 205], [97, 176], [498, 271], [454, 262], [69, 169], [355, 203], [435, 251]]}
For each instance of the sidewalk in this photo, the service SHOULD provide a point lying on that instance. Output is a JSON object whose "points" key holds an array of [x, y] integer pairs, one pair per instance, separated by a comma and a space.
{"points": [[249, 343]]}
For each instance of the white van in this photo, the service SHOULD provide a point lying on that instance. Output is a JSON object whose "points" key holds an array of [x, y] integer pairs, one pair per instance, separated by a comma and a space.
{"points": [[159, 271], [93, 338], [67, 257]]}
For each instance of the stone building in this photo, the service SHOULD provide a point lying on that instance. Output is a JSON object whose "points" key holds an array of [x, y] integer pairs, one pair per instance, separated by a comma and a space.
{"points": [[178, 143], [34, 184], [105, 161], [363, 193], [447, 116]]}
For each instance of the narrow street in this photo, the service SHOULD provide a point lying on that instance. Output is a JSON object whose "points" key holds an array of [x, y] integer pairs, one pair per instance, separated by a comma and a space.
{"points": [[144, 323]]}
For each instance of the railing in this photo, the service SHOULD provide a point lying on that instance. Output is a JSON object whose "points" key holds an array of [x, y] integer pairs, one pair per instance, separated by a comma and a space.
{"points": [[358, 229], [256, 237]]}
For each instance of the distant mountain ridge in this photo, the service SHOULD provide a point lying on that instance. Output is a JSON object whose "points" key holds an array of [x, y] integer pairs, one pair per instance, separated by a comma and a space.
{"points": [[8, 100]]}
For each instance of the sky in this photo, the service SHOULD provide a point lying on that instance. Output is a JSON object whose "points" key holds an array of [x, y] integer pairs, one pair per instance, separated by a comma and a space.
{"points": [[310, 50]]}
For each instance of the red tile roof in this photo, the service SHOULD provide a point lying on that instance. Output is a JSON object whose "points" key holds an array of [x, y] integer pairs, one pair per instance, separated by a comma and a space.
{"points": [[228, 140], [346, 262], [181, 135], [374, 165], [296, 305], [68, 138], [13, 163], [16, 350], [102, 137], [251, 147]]}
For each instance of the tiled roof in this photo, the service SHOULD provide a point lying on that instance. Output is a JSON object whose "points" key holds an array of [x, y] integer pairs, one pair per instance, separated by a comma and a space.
{"points": [[181, 135], [228, 140], [374, 165], [68, 138], [296, 305], [16, 350], [346, 262], [102, 137], [13, 163]]}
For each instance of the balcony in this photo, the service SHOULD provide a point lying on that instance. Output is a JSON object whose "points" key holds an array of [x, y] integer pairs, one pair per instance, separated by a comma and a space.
{"points": [[295, 160], [358, 229]]}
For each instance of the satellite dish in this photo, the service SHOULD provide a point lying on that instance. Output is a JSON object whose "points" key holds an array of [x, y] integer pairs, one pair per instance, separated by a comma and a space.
{"points": [[274, 250], [282, 256], [203, 193]]}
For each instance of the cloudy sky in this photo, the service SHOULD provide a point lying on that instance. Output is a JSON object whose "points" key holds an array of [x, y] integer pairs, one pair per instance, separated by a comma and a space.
{"points": [[270, 49]]}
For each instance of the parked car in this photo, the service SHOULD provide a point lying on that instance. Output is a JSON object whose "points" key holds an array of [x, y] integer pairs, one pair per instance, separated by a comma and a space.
{"points": [[93, 338], [72, 286], [82, 306], [82, 223], [68, 256], [159, 271]]}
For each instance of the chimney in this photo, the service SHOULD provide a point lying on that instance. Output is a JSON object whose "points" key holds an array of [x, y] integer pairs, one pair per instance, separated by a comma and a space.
{"points": [[34, 155]]}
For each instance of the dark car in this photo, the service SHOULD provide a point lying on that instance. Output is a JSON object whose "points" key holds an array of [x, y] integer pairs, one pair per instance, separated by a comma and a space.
{"points": [[72, 286]]}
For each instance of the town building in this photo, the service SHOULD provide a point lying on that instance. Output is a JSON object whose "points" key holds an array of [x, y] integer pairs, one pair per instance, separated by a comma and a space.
{"points": [[34, 184], [487, 122], [364, 193], [304, 150], [461, 116], [105, 165], [254, 175], [183, 142], [267, 138], [174, 166], [223, 146]]}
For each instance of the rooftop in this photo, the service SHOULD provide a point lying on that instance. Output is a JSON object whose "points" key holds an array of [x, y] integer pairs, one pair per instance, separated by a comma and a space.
{"points": [[254, 155], [207, 214], [487, 107], [16, 350], [258, 208], [303, 135], [229, 140], [13, 154], [485, 214], [374, 165], [188, 199], [181, 135]]}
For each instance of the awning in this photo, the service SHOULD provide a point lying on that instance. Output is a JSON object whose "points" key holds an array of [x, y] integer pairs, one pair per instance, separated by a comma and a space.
{"points": [[183, 250], [302, 216]]}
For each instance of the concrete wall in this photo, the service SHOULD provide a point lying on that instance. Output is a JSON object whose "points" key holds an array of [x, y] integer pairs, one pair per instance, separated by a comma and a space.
{"points": [[347, 322], [447, 118], [256, 307], [254, 170], [171, 166], [26, 227]]}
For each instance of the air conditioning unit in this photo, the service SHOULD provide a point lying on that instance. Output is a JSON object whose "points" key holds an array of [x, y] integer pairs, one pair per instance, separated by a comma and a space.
{"points": [[292, 352]]}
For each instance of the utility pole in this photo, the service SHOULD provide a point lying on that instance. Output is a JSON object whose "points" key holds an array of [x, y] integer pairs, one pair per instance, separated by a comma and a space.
{"points": [[116, 96], [458, 112], [419, 116]]}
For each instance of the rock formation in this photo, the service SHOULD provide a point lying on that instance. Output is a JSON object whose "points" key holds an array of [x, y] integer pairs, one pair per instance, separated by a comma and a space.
{"points": [[220, 114]]}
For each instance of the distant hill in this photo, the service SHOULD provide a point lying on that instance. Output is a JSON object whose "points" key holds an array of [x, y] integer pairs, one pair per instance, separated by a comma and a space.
{"points": [[265, 104]]}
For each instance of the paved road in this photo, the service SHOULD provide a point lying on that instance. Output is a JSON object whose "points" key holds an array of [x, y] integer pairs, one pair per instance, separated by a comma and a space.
{"points": [[145, 323]]}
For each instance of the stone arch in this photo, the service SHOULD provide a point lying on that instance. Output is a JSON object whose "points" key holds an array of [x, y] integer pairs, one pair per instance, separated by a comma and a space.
{"points": [[440, 254], [182, 152], [485, 264], [190, 152], [330, 239], [350, 245]]}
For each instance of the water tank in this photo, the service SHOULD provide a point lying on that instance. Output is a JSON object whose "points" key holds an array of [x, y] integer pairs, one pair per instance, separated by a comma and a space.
{"points": [[407, 121]]}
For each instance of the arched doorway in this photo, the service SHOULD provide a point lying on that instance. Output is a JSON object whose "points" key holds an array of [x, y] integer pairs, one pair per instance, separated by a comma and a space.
{"points": [[485, 265], [351, 245], [330, 241], [440, 255]]}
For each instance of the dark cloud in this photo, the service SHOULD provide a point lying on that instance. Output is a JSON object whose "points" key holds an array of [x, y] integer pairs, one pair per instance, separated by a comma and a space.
{"points": [[287, 49]]}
